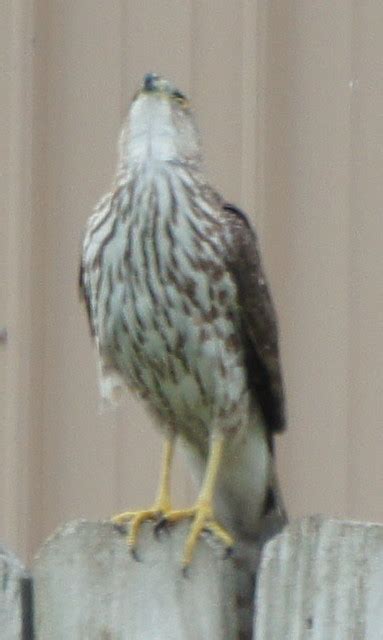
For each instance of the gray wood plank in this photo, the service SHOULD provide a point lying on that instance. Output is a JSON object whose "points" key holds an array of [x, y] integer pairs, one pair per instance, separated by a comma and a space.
{"points": [[15, 612], [87, 587], [322, 579]]}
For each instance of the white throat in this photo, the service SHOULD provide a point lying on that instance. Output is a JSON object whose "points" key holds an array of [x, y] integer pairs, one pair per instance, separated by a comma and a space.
{"points": [[151, 134]]}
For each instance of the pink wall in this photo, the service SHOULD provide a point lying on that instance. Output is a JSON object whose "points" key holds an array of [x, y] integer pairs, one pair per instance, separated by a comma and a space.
{"points": [[289, 97]]}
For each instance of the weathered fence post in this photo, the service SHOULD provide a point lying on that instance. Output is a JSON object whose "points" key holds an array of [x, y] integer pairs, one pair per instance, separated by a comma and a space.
{"points": [[88, 587], [15, 599], [322, 579]]}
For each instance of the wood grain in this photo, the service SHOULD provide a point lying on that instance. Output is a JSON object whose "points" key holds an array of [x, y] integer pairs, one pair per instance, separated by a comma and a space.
{"points": [[322, 579], [87, 586]]}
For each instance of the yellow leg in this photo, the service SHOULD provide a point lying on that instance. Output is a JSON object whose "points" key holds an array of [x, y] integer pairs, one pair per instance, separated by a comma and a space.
{"points": [[161, 505], [162, 501], [202, 512]]}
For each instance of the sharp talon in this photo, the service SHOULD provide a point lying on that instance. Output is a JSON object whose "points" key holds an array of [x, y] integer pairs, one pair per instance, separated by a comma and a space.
{"points": [[161, 525], [229, 552], [134, 554], [129, 523], [204, 525], [185, 571]]}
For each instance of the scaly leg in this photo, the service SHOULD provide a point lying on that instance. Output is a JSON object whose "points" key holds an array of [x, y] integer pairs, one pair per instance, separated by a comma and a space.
{"points": [[161, 505], [203, 512]]}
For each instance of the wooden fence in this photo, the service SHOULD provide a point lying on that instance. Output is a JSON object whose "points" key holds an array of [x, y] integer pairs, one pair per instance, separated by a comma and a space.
{"points": [[320, 580]]}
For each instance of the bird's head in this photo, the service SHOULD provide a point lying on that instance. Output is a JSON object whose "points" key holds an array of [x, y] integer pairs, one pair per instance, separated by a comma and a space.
{"points": [[160, 125]]}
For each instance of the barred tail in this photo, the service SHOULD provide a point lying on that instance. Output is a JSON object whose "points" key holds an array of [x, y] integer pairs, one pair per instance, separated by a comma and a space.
{"points": [[247, 557]]}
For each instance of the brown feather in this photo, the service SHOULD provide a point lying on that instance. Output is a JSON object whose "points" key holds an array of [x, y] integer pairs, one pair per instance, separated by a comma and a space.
{"points": [[84, 295], [260, 324]]}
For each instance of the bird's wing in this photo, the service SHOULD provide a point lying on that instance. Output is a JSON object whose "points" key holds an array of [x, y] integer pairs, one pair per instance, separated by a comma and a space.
{"points": [[85, 295], [260, 325], [101, 212]]}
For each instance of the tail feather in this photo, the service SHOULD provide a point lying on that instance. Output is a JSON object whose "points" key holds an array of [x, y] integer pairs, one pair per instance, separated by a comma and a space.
{"points": [[247, 557]]}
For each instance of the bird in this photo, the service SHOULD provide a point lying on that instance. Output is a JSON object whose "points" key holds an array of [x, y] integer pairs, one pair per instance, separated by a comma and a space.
{"points": [[181, 313]]}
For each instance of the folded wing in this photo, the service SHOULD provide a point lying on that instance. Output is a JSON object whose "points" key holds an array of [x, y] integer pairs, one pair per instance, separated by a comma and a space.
{"points": [[259, 321]]}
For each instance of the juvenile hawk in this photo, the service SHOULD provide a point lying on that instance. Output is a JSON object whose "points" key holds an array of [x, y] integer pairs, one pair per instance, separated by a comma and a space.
{"points": [[180, 312]]}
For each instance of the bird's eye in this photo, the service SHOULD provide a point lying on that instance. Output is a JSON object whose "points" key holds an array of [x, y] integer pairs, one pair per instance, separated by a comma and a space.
{"points": [[179, 97]]}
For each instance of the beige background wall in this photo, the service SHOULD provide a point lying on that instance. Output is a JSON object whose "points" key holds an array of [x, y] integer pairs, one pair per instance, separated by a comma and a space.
{"points": [[289, 99]]}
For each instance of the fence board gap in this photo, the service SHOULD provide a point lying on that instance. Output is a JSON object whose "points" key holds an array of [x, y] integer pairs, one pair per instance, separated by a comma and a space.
{"points": [[15, 598]]}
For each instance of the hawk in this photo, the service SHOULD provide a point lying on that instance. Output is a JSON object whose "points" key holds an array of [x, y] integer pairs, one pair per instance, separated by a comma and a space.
{"points": [[180, 312]]}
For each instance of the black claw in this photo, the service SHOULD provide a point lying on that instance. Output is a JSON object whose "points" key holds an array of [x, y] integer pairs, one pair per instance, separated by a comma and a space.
{"points": [[186, 571], [161, 525], [229, 552], [134, 554]]}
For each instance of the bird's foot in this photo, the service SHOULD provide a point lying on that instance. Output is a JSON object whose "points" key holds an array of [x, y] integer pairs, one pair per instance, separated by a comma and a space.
{"points": [[203, 522], [134, 519]]}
